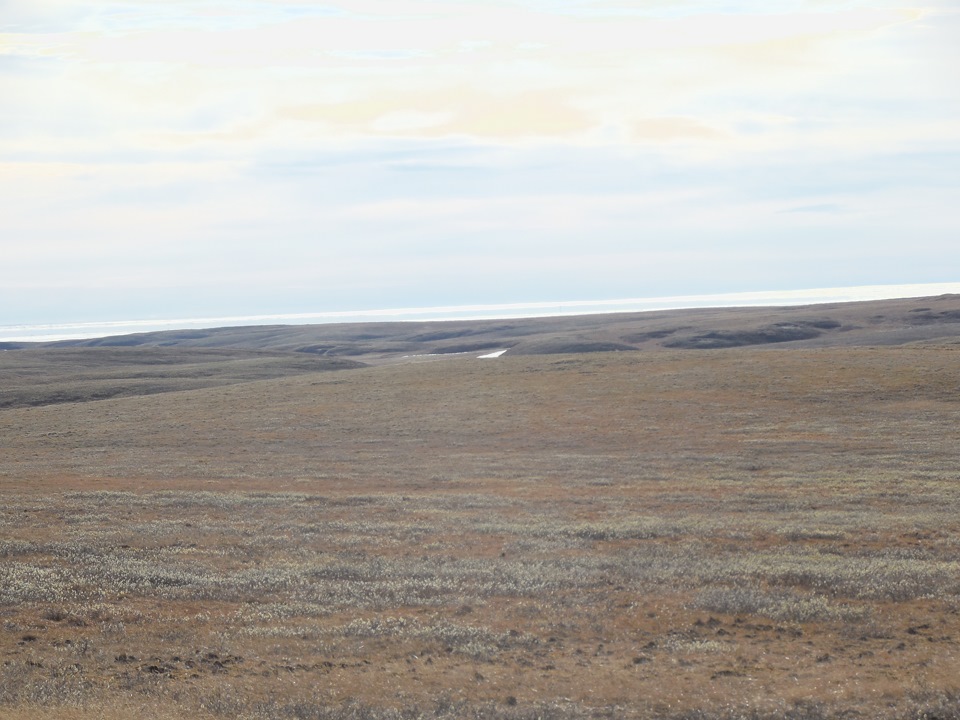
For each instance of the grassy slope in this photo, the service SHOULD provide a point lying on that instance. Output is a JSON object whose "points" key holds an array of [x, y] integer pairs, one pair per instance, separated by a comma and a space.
{"points": [[44, 376], [724, 532]]}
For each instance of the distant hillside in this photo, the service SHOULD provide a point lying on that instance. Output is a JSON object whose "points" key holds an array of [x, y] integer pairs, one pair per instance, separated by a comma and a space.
{"points": [[179, 360], [882, 322]]}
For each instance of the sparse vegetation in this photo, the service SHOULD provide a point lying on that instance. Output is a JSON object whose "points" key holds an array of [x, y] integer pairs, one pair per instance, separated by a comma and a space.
{"points": [[746, 533]]}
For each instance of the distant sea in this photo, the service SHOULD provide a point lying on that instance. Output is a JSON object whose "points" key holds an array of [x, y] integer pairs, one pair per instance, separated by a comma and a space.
{"points": [[81, 330]]}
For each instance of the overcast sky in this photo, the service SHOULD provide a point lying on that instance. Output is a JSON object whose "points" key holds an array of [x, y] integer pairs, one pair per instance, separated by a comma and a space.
{"points": [[184, 158]]}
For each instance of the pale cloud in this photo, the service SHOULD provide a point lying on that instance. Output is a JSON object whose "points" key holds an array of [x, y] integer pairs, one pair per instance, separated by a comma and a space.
{"points": [[463, 111], [608, 146], [401, 30], [161, 76], [669, 129], [819, 208]]}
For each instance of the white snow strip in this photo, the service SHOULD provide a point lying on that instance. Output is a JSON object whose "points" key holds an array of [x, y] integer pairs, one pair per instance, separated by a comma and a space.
{"points": [[496, 354]]}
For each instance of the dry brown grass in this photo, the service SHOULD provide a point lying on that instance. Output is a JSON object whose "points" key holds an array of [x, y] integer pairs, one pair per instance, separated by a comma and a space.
{"points": [[719, 534]]}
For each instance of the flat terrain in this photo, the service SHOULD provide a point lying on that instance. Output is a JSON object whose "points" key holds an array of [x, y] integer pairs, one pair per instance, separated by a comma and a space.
{"points": [[768, 529]]}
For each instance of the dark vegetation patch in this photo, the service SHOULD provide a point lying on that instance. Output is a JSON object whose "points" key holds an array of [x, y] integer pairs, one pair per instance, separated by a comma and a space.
{"points": [[70, 375], [10, 346], [315, 349], [510, 330], [924, 315], [778, 333], [462, 332], [820, 324], [467, 347], [649, 335], [87, 393], [120, 341], [560, 347], [345, 350], [357, 350], [443, 335], [189, 334]]}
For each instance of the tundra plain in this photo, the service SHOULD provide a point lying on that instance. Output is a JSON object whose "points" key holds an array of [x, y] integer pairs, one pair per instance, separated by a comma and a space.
{"points": [[703, 515]]}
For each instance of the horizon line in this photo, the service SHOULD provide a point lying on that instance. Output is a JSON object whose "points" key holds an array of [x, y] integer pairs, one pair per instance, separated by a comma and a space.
{"points": [[87, 330]]}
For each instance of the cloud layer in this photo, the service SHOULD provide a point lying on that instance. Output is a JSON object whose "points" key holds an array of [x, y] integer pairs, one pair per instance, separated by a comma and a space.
{"points": [[264, 156]]}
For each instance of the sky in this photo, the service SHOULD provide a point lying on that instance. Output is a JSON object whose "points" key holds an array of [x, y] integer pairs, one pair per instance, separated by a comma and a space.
{"points": [[194, 158]]}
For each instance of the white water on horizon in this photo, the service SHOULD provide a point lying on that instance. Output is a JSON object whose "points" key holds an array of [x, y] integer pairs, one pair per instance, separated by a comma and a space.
{"points": [[85, 330]]}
